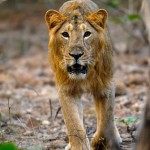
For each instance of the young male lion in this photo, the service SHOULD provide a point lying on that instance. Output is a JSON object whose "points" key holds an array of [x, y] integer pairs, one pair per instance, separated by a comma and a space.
{"points": [[80, 56]]}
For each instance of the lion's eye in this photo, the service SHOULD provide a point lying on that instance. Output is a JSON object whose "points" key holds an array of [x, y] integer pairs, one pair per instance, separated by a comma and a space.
{"points": [[65, 34], [87, 34]]}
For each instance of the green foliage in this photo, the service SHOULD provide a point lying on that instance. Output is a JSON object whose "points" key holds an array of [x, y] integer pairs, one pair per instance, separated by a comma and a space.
{"points": [[126, 18], [131, 17], [8, 146], [132, 119], [116, 5], [113, 3], [115, 20], [127, 121]]}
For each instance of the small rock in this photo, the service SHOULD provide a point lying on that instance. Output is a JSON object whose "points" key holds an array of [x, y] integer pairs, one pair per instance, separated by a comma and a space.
{"points": [[57, 145], [132, 69], [16, 115], [124, 101], [28, 133], [125, 136], [144, 61], [136, 79], [29, 111], [120, 88], [32, 123], [121, 46], [137, 107], [51, 138], [45, 122]]}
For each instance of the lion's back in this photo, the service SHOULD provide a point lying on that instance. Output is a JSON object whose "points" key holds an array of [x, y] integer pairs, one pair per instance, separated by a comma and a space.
{"points": [[87, 5]]}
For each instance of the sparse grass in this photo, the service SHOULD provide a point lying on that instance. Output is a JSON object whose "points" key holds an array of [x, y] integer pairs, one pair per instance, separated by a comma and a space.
{"points": [[127, 122]]}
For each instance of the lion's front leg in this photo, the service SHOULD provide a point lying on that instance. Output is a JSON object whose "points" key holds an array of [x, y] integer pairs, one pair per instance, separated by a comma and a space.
{"points": [[73, 117], [107, 135]]}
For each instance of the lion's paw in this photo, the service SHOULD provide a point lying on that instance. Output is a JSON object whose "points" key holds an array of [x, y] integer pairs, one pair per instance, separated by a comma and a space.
{"points": [[68, 147]]}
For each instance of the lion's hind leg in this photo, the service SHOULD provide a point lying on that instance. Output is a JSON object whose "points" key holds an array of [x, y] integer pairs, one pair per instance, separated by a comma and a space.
{"points": [[107, 135]]}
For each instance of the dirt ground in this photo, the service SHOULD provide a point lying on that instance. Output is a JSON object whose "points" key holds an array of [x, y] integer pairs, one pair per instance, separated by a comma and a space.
{"points": [[29, 107]]}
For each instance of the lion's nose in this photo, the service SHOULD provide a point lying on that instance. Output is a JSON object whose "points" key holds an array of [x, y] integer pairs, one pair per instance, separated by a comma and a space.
{"points": [[76, 56]]}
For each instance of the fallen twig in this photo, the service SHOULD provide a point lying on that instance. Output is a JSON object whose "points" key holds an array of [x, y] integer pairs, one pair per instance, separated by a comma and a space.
{"points": [[30, 88], [58, 110], [51, 108], [9, 110]]}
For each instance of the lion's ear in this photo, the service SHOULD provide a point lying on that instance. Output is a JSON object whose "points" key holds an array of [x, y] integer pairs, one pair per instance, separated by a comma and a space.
{"points": [[53, 18], [99, 17]]}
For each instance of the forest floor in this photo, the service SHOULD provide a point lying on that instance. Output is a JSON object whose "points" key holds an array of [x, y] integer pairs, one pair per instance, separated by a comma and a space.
{"points": [[29, 106]]}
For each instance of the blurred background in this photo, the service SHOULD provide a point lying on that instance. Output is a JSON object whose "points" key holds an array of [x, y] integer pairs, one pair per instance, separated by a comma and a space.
{"points": [[28, 98]]}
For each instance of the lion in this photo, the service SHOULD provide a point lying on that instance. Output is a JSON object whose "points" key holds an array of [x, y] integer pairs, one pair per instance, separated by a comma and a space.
{"points": [[81, 58]]}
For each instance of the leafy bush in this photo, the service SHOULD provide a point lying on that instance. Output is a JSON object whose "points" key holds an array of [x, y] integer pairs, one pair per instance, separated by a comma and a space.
{"points": [[8, 146]]}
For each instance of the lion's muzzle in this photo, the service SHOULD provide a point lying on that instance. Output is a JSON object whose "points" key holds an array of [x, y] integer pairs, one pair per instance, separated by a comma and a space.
{"points": [[77, 69]]}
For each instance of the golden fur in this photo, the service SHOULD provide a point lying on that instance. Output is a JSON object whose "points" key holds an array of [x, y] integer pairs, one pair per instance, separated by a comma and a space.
{"points": [[86, 35]]}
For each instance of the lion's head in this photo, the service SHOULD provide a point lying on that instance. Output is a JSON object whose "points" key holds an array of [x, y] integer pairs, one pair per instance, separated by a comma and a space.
{"points": [[76, 39]]}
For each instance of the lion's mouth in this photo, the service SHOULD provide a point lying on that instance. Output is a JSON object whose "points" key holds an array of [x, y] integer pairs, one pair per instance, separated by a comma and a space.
{"points": [[77, 69]]}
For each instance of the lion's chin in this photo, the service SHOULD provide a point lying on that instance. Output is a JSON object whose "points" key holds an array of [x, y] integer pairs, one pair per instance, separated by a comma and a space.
{"points": [[74, 76]]}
